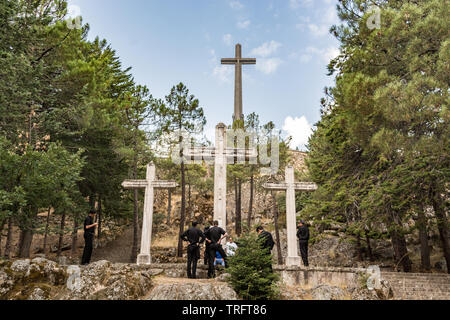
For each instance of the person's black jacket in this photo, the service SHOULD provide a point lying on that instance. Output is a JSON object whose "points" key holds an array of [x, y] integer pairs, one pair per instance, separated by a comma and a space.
{"points": [[267, 240], [194, 235], [303, 233]]}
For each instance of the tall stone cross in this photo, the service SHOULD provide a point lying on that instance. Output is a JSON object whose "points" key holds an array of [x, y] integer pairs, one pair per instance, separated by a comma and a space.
{"points": [[149, 184], [238, 61], [290, 186], [222, 155]]}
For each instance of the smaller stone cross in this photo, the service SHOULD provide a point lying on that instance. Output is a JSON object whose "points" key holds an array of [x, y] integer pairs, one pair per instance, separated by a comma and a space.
{"points": [[290, 186], [149, 184]]}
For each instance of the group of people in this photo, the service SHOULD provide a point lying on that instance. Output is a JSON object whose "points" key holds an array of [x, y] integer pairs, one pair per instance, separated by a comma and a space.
{"points": [[214, 251], [215, 254]]}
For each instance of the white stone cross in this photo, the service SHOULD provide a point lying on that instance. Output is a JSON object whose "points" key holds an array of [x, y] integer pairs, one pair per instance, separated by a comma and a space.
{"points": [[221, 155], [150, 184], [290, 186]]}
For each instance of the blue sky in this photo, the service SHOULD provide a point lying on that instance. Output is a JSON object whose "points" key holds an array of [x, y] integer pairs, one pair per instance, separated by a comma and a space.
{"points": [[171, 41]]}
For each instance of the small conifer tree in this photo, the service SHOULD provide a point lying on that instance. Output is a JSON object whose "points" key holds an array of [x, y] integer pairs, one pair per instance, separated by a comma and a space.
{"points": [[251, 271]]}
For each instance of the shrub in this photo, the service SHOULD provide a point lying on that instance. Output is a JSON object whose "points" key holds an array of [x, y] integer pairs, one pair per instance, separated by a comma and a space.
{"points": [[251, 271]]}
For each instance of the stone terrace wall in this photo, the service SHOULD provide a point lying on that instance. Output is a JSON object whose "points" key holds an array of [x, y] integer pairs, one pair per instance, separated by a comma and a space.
{"points": [[419, 286], [311, 277]]}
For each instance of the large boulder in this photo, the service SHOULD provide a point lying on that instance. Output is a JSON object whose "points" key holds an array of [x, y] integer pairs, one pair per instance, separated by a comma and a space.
{"points": [[103, 280], [193, 291], [42, 279]]}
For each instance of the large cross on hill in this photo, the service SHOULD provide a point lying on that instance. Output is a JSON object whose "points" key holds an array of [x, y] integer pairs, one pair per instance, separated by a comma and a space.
{"points": [[238, 61]]}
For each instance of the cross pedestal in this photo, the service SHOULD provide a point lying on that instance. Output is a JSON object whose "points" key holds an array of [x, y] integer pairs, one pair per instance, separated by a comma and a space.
{"points": [[290, 186], [149, 184]]}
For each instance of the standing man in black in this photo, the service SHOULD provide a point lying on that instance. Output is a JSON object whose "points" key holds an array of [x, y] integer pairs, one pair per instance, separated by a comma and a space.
{"points": [[89, 233], [214, 237], [266, 239], [205, 258], [303, 236], [195, 237]]}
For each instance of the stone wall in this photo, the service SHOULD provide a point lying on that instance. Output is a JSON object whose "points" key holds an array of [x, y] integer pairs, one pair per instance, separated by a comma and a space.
{"points": [[311, 277]]}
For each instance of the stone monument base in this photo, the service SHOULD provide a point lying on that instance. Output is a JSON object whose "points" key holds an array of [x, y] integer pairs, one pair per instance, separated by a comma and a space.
{"points": [[293, 261], [144, 259]]}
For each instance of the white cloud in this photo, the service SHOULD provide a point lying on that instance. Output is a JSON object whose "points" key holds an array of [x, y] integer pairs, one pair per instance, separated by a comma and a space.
{"points": [[268, 66], [228, 39], [320, 24], [266, 49], [323, 55], [223, 73], [299, 129], [318, 30], [295, 4], [236, 5], [243, 24]]}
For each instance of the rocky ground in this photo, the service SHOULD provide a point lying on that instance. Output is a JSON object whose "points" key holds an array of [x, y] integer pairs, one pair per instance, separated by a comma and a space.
{"points": [[41, 279]]}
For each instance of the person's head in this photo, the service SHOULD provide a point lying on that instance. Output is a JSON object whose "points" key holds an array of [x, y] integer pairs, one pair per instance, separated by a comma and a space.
{"points": [[195, 224], [301, 223], [92, 212], [230, 239], [216, 223], [259, 229]]}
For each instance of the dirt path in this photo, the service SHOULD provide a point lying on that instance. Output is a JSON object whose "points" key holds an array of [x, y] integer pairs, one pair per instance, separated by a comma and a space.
{"points": [[116, 251]]}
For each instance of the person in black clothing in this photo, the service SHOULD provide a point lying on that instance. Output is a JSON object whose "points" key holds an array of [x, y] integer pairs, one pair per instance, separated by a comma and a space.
{"points": [[205, 256], [195, 237], [266, 238], [214, 237], [89, 233], [303, 236], [267, 241]]}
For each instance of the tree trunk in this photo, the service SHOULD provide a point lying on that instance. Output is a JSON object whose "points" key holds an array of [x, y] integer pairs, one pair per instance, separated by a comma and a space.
{"points": [[169, 207], [237, 196], [99, 214], [369, 247], [26, 236], [2, 224], [190, 202], [423, 236], [359, 248], [74, 236], [250, 206], [134, 247], [442, 223], [277, 230], [399, 242], [47, 224], [26, 239], [61, 233], [8, 243], [239, 213], [183, 209]]}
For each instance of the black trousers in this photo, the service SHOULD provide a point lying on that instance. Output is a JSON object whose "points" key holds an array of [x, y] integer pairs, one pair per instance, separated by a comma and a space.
{"points": [[88, 246], [304, 252], [193, 253], [212, 249], [205, 258]]}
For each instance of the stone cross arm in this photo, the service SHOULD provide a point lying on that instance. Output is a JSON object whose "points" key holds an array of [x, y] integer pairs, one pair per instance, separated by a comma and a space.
{"points": [[299, 186], [141, 184], [238, 61]]}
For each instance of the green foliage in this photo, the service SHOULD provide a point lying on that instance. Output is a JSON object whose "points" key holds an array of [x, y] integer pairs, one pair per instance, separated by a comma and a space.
{"points": [[381, 147], [251, 270]]}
